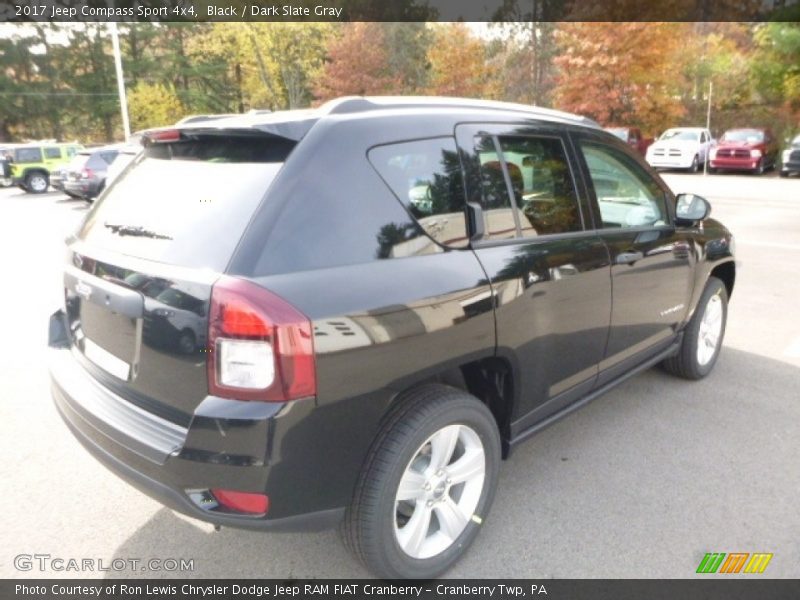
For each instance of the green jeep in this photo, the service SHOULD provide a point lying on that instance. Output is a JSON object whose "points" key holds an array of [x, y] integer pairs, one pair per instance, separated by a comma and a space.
{"points": [[32, 164]]}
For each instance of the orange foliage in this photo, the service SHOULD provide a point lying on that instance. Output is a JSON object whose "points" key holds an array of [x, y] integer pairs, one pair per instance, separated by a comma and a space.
{"points": [[622, 73], [357, 65], [458, 65]]}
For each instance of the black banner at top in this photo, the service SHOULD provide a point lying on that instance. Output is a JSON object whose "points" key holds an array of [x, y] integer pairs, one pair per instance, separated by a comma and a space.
{"points": [[397, 10]]}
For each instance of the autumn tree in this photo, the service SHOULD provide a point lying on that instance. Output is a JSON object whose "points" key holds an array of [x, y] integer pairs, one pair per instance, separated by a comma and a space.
{"points": [[154, 105], [458, 64], [776, 67], [357, 64], [621, 73]]}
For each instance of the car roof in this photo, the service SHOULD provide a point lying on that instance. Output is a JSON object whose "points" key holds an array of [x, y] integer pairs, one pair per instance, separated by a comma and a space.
{"points": [[686, 129], [117, 147], [294, 124], [50, 144]]}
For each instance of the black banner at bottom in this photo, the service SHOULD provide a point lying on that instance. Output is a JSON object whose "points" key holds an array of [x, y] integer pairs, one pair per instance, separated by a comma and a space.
{"points": [[716, 588]]}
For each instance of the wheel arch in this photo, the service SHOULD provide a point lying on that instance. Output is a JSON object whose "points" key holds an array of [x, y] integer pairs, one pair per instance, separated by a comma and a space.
{"points": [[490, 380], [726, 272]]}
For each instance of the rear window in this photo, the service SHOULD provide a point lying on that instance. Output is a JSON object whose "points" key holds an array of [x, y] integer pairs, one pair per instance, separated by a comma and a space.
{"points": [[78, 162], [28, 155], [188, 202], [425, 175]]}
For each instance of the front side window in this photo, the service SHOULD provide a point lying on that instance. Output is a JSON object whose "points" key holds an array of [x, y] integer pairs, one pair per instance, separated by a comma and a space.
{"points": [[52, 152], [425, 175], [627, 196]]}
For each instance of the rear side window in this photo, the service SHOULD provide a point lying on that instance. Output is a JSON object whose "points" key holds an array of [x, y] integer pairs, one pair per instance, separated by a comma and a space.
{"points": [[426, 177], [52, 152], [28, 155], [187, 203], [542, 183], [543, 193]]}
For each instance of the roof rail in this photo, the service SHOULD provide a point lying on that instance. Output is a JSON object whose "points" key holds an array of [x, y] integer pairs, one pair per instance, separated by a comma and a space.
{"points": [[354, 104]]}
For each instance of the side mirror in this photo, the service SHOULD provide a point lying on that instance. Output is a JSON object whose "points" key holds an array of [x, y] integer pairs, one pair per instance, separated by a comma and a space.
{"points": [[690, 208]]}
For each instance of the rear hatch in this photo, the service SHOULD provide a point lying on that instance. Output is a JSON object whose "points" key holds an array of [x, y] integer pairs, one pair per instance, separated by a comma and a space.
{"points": [[140, 269]]}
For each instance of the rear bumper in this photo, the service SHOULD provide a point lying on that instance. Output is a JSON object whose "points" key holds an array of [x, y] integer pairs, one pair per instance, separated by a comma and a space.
{"points": [[228, 444], [84, 189]]}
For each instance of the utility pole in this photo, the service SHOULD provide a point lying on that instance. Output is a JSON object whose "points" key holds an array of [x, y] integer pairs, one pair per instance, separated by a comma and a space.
{"points": [[708, 126], [123, 102]]}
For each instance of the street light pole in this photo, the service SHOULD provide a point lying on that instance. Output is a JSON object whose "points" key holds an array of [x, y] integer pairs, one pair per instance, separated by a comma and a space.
{"points": [[708, 126], [123, 102]]}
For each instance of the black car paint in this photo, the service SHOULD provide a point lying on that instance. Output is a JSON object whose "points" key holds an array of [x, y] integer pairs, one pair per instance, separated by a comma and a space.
{"points": [[538, 312]]}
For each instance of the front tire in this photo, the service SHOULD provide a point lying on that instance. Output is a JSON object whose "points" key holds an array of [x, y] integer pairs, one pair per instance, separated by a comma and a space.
{"points": [[760, 168], [695, 166], [427, 485], [702, 339], [37, 183]]}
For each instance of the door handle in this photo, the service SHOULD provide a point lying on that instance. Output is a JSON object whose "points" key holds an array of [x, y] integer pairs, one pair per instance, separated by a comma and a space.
{"points": [[628, 258]]}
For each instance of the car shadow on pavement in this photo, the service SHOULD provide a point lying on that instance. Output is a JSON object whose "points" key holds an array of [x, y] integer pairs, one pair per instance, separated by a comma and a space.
{"points": [[640, 483]]}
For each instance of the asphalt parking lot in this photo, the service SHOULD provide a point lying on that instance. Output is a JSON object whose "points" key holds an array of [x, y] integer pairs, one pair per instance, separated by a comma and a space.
{"points": [[641, 483]]}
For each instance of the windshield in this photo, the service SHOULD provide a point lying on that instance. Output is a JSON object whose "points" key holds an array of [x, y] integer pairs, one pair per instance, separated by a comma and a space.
{"points": [[743, 135], [187, 203], [620, 132], [680, 134], [796, 140]]}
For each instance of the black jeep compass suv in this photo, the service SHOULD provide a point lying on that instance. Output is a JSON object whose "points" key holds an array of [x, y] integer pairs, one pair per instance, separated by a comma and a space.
{"points": [[351, 314]]}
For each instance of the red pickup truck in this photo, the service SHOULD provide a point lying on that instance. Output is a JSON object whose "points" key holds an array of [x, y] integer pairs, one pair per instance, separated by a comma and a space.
{"points": [[632, 136]]}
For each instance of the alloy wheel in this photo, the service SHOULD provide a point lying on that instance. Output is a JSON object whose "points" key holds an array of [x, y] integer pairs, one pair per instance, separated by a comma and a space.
{"points": [[439, 491], [710, 330]]}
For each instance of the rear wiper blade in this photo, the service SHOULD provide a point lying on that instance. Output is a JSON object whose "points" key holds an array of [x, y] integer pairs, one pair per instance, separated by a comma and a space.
{"points": [[135, 230]]}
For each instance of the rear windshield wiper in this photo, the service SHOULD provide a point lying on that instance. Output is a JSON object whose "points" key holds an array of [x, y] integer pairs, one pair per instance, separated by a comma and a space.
{"points": [[135, 230]]}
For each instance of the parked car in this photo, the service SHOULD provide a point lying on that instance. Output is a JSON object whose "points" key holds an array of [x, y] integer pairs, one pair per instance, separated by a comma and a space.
{"points": [[681, 148], [633, 137], [791, 158], [86, 174], [33, 163], [751, 149], [371, 357], [125, 156]]}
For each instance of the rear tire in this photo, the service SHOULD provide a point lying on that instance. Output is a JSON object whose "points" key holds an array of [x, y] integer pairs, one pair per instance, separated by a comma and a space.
{"points": [[443, 446], [702, 338], [37, 182]]}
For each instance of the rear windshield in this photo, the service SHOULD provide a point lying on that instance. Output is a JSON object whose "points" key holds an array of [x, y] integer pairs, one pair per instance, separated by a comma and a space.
{"points": [[187, 203], [78, 162]]}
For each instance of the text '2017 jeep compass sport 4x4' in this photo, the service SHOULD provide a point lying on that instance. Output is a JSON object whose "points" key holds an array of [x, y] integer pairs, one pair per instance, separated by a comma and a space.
{"points": [[351, 314]]}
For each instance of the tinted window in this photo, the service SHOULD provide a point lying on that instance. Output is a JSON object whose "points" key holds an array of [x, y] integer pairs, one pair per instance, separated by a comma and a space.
{"points": [[187, 203], [626, 194], [96, 161], [28, 155], [541, 179], [52, 152], [500, 220], [108, 156], [425, 175]]}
